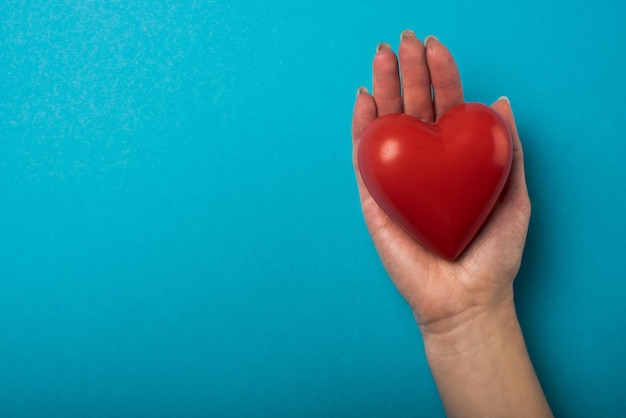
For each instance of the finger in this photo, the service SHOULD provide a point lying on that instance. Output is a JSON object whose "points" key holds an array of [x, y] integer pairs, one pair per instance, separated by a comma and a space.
{"points": [[364, 112], [386, 81], [444, 76], [516, 184], [416, 93]]}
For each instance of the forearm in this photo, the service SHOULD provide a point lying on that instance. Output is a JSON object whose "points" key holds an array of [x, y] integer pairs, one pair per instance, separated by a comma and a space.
{"points": [[482, 368]]}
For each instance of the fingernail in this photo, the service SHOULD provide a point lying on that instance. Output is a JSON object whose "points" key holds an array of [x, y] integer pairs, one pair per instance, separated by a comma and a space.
{"points": [[383, 45], [505, 99], [361, 90], [407, 33], [430, 38]]}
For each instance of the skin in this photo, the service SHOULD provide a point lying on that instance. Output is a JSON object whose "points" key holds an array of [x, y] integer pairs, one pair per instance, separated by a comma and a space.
{"points": [[464, 309]]}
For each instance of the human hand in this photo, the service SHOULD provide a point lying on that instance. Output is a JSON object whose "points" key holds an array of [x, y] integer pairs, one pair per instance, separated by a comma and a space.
{"points": [[465, 310], [442, 294]]}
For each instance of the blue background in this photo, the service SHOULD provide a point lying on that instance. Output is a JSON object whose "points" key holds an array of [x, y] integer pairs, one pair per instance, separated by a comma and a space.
{"points": [[180, 233]]}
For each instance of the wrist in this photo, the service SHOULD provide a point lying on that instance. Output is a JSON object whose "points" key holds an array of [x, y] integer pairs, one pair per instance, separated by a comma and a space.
{"points": [[471, 329], [482, 368]]}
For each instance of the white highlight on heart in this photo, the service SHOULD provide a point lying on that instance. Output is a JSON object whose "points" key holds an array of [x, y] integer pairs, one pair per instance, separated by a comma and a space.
{"points": [[389, 151]]}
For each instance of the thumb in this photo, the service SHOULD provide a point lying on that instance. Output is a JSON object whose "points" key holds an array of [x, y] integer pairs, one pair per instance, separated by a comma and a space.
{"points": [[517, 180], [503, 107]]}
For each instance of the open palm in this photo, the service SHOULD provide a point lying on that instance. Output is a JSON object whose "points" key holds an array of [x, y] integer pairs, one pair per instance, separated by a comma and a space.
{"points": [[425, 84]]}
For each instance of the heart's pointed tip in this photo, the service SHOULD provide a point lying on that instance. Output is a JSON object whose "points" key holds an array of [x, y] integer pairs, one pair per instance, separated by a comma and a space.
{"points": [[450, 256]]}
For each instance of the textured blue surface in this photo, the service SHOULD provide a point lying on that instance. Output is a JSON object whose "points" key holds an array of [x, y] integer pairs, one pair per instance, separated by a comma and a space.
{"points": [[180, 232]]}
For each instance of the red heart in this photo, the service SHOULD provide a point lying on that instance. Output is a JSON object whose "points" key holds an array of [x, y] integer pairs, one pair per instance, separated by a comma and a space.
{"points": [[439, 181]]}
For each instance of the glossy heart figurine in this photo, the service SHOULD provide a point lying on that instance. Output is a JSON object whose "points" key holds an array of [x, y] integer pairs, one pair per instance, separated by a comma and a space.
{"points": [[438, 181]]}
